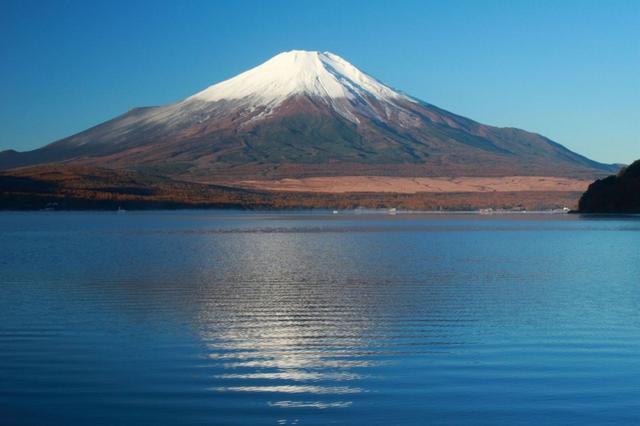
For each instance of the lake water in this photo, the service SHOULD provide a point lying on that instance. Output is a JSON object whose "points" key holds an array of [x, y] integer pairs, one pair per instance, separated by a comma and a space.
{"points": [[194, 318]]}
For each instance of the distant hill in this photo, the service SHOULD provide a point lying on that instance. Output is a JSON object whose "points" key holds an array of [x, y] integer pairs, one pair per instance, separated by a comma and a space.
{"points": [[306, 114], [615, 194]]}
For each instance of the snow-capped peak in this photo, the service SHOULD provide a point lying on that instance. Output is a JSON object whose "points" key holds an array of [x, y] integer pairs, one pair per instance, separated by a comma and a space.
{"points": [[318, 74]]}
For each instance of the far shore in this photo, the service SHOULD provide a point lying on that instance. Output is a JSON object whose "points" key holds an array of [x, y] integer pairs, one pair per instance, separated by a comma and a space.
{"points": [[66, 187]]}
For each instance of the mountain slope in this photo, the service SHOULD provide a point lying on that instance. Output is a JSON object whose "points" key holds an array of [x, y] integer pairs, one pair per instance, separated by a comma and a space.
{"points": [[307, 114]]}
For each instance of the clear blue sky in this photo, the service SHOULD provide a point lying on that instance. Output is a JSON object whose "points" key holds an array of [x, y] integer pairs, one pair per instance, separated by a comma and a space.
{"points": [[567, 69]]}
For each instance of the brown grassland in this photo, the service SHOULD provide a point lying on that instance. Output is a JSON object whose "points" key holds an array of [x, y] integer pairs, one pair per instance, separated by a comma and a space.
{"points": [[75, 187]]}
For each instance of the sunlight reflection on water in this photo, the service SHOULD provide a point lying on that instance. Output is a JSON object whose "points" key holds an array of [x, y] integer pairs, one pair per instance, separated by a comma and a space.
{"points": [[224, 318]]}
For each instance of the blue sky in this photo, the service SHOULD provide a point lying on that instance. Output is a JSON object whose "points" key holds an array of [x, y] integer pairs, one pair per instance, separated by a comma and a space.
{"points": [[569, 70]]}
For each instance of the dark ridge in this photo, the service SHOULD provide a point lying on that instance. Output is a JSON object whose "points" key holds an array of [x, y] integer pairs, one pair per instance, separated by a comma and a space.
{"points": [[618, 193]]}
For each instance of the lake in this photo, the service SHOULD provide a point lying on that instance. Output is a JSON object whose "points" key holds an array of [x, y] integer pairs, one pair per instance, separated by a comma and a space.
{"points": [[234, 318]]}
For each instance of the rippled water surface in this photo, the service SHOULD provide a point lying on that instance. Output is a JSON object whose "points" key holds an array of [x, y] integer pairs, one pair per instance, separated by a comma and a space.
{"points": [[185, 318]]}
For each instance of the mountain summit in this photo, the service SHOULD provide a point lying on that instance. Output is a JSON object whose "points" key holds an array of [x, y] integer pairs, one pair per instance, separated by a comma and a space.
{"points": [[298, 72], [305, 114], [322, 76]]}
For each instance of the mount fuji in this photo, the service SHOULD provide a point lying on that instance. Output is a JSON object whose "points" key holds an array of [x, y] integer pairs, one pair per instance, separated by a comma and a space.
{"points": [[306, 114]]}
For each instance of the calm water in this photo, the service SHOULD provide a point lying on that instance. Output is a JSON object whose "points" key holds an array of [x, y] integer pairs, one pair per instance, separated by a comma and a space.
{"points": [[249, 318]]}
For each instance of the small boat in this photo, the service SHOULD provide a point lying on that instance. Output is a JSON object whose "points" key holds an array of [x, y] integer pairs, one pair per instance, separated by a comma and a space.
{"points": [[50, 207], [120, 210], [393, 210], [335, 212]]}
